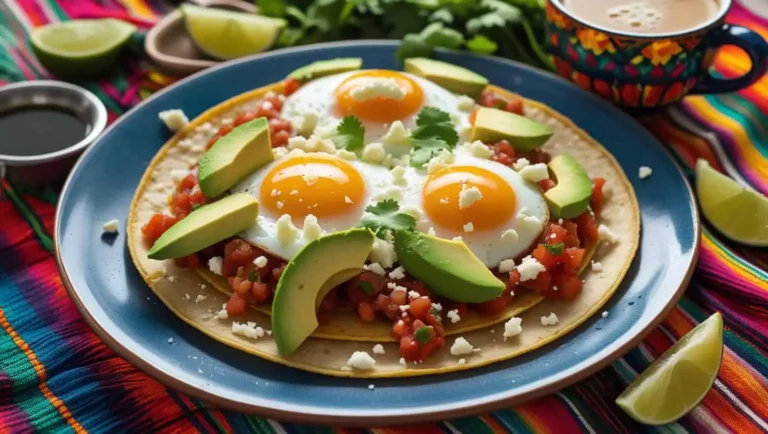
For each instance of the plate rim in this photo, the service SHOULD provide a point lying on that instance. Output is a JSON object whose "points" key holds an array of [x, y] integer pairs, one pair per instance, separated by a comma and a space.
{"points": [[299, 414]]}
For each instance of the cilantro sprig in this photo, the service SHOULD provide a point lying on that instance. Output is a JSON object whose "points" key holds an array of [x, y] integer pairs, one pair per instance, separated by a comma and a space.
{"points": [[385, 216], [350, 134], [435, 132]]}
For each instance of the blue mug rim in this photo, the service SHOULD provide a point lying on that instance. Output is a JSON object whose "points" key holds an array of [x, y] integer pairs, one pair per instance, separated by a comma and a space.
{"points": [[717, 20]]}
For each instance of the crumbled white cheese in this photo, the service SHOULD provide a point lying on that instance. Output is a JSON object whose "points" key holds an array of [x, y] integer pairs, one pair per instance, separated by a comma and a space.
{"points": [[280, 204], [178, 175], [187, 296], [378, 87], [215, 264], [171, 279], [469, 227], [397, 134], [397, 273], [394, 193], [199, 298], [413, 294], [597, 267], [249, 330], [170, 340], [111, 226], [222, 314], [275, 192], [374, 153], [260, 262], [174, 119], [506, 266], [371, 387], [466, 103], [378, 349], [520, 164], [361, 360], [286, 231], [468, 196], [437, 307], [549, 320], [440, 161], [383, 252], [606, 234], [431, 232], [480, 150], [326, 131], [529, 220], [346, 155], [280, 152], [529, 268], [411, 211], [509, 235], [299, 142], [513, 327], [453, 315], [308, 124], [323, 145], [310, 178], [312, 229], [462, 361], [395, 287], [644, 172], [375, 267], [347, 199], [461, 346], [403, 362], [404, 307], [535, 172], [605, 314], [458, 238], [398, 176]]}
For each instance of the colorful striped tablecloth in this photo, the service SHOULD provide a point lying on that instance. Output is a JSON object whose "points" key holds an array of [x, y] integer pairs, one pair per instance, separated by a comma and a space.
{"points": [[57, 376]]}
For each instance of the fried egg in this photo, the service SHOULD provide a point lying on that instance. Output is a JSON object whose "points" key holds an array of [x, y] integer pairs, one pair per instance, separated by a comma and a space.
{"points": [[376, 97]]}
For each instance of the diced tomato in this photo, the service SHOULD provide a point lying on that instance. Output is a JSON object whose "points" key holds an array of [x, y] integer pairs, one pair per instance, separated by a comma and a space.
{"points": [[598, 198], [211, 142], [409, 348], [244, 117], [277, 272], [547, 184], [514, 280], [225, 129], [505, 147], [197, 198], [180, 204], [237, 305], [515, 105], [260, 292], [278, 124], [420, 307], [547, 259], [540, 284], [279, 138], [156, 226], [398, 329], [291, 85], [398, 297], [192, 261], [365, 310], [433, 345], [275, 100], [587, 228], [561, 235], [575, 256], [356, 287], [568, 286], [236, 254], [494, 306], [188, 183], [490, 99], [573, 233]]}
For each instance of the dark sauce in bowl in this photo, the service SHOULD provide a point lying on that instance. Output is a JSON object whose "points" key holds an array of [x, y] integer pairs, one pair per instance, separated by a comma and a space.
{"points": [[38, 130]]}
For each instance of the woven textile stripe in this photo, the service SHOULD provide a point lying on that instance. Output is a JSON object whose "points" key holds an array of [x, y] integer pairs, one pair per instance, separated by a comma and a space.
{"points": [[56, 375]]}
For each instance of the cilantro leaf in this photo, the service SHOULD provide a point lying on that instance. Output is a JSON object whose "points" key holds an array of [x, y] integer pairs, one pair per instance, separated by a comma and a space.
{"points": [[413, 45], [384, 217], [437, 35], [367, 287], [555, 249], [350, 134], [481, 44], [442, 15], [435, 132], [271, 8], [432, 115], [423, 334]]}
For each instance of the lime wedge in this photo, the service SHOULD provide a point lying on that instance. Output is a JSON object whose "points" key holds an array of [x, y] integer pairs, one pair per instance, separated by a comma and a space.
{"points": [[228, 35], [80, 48], [737, 212], [678, 380]]}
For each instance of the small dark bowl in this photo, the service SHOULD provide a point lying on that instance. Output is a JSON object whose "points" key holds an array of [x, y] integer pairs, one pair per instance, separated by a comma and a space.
{"points": [[53, 166]]}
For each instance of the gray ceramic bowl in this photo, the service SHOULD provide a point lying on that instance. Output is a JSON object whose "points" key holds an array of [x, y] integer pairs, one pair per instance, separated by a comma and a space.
{"points": [[53, 166]]}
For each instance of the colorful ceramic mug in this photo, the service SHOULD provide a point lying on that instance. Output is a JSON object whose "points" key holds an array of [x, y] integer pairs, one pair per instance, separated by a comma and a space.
{"points": [[645, 71]]}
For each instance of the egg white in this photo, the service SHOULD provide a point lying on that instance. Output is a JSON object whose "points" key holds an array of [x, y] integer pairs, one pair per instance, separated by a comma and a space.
{"points": [[318, 97]]}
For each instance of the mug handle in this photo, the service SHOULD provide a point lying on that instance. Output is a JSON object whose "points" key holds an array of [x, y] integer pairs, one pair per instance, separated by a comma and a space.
{"points": [[749, 41]]}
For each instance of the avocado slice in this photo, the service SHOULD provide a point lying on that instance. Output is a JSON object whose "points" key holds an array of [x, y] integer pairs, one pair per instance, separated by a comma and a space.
{"points": [[235, 156], [493, 125], [321, 68], [318, 267], [448, 267], [206, 226], [454, 78], [570, 197]]}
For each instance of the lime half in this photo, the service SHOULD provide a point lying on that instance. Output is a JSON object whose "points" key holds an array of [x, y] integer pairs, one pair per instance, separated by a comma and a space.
{"points": [[228, 35], [80, 47], [737, 212], [677, 381]]}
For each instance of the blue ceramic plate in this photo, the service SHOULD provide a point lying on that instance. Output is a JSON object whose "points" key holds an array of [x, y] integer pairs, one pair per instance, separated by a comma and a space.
{"points": [[125, 313]]}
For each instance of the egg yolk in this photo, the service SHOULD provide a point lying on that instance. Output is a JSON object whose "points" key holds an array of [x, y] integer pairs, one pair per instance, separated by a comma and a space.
{"points": [[442, 191], [319, 185], [378, 108]]}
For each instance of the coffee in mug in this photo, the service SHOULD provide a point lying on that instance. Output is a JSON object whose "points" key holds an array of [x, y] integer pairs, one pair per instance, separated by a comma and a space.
{"points": [[645, 16]]}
